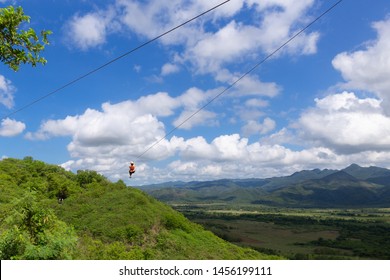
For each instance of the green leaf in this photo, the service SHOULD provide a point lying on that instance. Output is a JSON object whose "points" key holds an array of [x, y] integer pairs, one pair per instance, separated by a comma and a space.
{"points": [[20, 46]]}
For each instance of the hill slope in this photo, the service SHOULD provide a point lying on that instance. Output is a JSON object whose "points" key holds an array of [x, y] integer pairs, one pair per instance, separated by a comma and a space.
{"points": [[49, 213]]}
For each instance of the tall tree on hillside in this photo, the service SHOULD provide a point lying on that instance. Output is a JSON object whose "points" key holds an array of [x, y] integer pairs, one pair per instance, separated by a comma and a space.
{"points": [[19, 46]]}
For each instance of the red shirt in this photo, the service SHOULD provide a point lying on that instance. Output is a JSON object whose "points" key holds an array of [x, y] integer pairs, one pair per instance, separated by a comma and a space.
{"points": [[132, 167]]}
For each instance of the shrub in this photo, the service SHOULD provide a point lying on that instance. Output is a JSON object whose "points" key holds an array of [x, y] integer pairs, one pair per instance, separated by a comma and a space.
{"points": [[34, 232]]}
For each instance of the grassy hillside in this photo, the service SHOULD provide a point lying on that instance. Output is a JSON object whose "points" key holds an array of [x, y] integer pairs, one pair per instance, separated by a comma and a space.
{"points": [[49, 213]]}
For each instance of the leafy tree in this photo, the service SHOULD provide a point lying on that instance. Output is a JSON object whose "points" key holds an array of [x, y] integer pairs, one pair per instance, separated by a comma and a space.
{"points": [[19, 46], [34, 232], [85, 177]]}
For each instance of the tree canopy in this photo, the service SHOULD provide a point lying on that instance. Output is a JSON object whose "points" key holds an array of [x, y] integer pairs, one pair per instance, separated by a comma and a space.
{"points": [[20, 46]]}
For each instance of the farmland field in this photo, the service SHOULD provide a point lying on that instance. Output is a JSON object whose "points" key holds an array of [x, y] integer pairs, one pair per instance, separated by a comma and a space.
{"points": [[299, 233]]}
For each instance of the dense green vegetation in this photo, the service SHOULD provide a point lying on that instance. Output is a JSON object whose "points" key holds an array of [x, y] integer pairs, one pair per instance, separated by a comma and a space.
{"points": [[49, 213], [18, 46], [301, 233]]}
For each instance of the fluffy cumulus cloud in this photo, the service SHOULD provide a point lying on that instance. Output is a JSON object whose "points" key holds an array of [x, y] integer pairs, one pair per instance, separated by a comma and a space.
{"points": [[123, 130], [7, 91], [193, 100], [124, 123], [368, 69], [105, 139], [347, 124], [253, 127], [233, 156], [152, 18], [210, 44], [280, 21], [189, 119], [90, 30], [169, 68], [129, 122], [248, 85], [9, 127], [277, 21]]}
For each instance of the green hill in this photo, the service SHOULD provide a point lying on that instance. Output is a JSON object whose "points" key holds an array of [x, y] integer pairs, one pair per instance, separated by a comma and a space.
{"points": [[49, 213]]}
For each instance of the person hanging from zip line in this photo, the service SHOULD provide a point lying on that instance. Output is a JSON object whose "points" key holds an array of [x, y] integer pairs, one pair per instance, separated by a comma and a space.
{"points": [[131, 168]]}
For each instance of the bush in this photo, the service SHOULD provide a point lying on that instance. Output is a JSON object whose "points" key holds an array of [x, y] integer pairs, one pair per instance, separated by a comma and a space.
{"points": [[85, 177], [173, 221], [34, 232]]}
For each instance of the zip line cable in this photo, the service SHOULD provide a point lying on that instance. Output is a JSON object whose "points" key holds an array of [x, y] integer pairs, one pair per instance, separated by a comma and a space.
{"points": [[111, 61], [241, 77]]}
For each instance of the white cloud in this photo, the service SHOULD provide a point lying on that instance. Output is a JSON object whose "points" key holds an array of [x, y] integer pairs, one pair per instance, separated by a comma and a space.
{"points": [[231, 148], [137, 68], [256, 103], [281, 21], [9, 127], [253, 127], [369, 69], [194, 97], [250, 85], [277, 22], [347, 124], [148, 104], [7, 91], [264, 161], [117, 121], [127, 128], [226, 45], [124, 123], [281, 137], [232, 156], [169, 68], [90, 30], [189, 119], [192, 100], [210, 43], [152, 18]]}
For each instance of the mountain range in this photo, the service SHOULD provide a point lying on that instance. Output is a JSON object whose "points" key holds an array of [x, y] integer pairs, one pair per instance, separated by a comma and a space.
{"points": [[353, 186]]}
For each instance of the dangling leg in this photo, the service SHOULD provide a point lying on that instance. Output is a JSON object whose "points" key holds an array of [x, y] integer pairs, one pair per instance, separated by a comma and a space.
{"points": [[131, 173]]}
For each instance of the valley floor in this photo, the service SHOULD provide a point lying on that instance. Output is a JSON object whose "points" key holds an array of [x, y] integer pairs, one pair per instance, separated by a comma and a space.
{"points": [[298, 233]]}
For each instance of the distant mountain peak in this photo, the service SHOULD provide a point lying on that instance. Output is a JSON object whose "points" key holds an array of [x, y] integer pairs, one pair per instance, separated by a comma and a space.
{"points": [[364, 173], [339, 176], [353, 166], [310, 174]]}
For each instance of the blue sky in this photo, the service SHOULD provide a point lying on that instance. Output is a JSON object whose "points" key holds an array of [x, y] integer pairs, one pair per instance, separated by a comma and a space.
{"points": [[323, 101]]}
